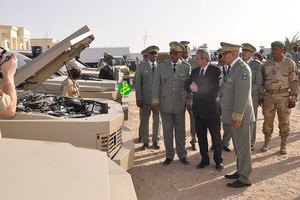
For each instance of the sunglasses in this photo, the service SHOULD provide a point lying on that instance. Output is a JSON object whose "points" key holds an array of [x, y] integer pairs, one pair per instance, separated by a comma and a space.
{"points": [[220, 56]]}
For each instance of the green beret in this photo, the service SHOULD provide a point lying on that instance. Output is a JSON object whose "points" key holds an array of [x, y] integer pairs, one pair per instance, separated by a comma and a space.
{"points": [[277, 44]]}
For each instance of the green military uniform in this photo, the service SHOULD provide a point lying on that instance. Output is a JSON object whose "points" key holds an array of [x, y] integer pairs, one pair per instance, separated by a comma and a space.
{"points": [[192, 63], [236, 105], [170, 94], [5, 101], [143, 90], [256, 85], [280, 83]]}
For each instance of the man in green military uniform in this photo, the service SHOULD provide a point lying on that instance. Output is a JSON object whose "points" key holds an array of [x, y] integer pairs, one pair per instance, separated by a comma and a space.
{"points": [[8, 95], [171, 99], [143, 90], [237, 112], [280, 91], [247, 52], [188, 59]]}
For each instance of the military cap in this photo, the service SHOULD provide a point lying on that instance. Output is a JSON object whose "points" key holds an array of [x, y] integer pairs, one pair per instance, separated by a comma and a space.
{"points": [[248, 47], [72, 64], [152, 48], [107, 55], [219, 50], [277, 44], [144, 52], [185, 43], [176, 46], [226, 47]]}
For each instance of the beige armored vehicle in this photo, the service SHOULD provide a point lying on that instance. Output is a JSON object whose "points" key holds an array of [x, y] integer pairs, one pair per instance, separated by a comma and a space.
{"points": [[89, 123], [35, 170]]}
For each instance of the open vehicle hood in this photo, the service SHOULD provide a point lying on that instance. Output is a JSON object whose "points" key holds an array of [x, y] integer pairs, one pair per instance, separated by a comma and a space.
{"points": [[42, 67]]}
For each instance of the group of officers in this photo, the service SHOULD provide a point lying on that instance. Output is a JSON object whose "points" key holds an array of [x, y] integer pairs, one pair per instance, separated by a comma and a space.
{"points": [[228, 93]]}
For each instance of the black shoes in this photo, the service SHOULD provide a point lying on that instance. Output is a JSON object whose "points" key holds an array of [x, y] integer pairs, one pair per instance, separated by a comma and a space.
{"points": [[238, 184], [227, 149], [145, 146], [252, 147], [184, 161], [167, 161], [194, 148], [156, 145], [219, 166], [202, 165], [232, 176]]}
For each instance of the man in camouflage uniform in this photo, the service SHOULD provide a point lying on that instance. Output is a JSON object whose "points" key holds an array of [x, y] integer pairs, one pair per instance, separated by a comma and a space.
{"points": [[296, 55], [188, 59], [171, 99], [255, 66], [280, 91], [143, 90], [237, 112], [8, 95]]}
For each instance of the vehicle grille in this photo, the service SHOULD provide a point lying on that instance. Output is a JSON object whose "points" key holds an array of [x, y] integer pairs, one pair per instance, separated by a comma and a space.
{"points": [[110, 143]]}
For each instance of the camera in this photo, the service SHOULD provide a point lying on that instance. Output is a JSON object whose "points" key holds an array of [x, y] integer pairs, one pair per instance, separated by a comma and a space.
{"points": [[4, 52]]}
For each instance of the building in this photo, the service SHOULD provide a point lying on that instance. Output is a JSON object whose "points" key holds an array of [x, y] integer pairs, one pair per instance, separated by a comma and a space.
{"points": [[14, 38]]}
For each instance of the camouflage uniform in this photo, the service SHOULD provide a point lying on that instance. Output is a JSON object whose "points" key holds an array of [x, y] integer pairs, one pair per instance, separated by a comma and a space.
{"points": [[69, 88], [280, 83]]}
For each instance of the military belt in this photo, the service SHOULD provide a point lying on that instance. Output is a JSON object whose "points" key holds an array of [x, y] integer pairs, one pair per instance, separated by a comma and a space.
{"points": [[277, 91]]}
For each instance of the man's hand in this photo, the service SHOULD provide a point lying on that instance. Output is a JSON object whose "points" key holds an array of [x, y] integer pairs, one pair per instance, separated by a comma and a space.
{"points": [[194, 87], [139, 104], [261, 102], [235, 125], [292, 104], [155, 108], [9, 68]]}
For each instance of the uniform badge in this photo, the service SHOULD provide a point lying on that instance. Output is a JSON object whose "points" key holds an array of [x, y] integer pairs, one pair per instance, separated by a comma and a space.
{"points": [[244, 75], [229, 80]]}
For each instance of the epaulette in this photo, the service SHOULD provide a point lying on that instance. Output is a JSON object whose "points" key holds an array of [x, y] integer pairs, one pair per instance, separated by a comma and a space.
{"points": [[242, 63], [255, 60], [185, 62]]}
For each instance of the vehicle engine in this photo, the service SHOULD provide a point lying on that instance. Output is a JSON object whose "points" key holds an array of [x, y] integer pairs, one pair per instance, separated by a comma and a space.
{"points": [[60, 106]]}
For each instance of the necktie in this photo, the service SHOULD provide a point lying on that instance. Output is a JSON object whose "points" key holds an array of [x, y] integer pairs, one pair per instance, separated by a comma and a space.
{"points": [[201, 73], [174, 67], [228, 69], [153, 67]]}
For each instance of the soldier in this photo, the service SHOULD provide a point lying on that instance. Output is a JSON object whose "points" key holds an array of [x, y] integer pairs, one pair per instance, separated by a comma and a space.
{"points": [[226, 133], [69, 87], [187, 58], [296, 55], [255, 66], [107, 68], [145, 58], [237, 112], [171, 99], [8, 95], [280, 91], [143, 90]]}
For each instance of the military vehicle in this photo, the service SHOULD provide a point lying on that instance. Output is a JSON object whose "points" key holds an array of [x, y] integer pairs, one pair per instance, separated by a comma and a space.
{"points": [[49, 170], [89, 123]]}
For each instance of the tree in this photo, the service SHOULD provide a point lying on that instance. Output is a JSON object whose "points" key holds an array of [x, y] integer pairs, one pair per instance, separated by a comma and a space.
{"points": [[291, 43], [203, 46]]}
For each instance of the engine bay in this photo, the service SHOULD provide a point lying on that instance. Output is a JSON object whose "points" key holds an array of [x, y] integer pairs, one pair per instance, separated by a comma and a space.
{"points": [[59, 106]]}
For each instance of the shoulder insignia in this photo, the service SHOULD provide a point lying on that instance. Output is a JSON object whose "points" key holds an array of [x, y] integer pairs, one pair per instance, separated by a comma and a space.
{"points": [[242, 63]]}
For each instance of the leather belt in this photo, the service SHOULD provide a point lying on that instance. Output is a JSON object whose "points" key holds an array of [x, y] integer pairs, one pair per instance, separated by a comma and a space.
{"points": [[277, 91]]}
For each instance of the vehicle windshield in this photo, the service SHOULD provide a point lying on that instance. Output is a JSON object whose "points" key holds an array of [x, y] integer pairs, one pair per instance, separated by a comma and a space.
{"points": [[119, 61]]}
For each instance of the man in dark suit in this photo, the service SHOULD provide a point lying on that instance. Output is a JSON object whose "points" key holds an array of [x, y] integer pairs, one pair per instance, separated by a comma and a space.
{"points": [[108, 70], [204, 83]]}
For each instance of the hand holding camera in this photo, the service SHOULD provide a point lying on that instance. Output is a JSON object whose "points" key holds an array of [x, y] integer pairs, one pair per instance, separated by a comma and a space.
{"points": [[8, 67]]}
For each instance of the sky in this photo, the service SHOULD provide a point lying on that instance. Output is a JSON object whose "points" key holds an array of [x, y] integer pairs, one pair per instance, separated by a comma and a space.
{"points": [[139, 23]]}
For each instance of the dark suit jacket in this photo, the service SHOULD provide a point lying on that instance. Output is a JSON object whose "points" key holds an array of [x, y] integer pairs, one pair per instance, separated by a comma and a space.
{"points": [[107, 73], [206, 101]]}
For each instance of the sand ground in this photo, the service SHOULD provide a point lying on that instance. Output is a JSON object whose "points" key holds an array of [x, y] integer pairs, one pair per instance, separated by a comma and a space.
{"points": [[274, 176]]}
